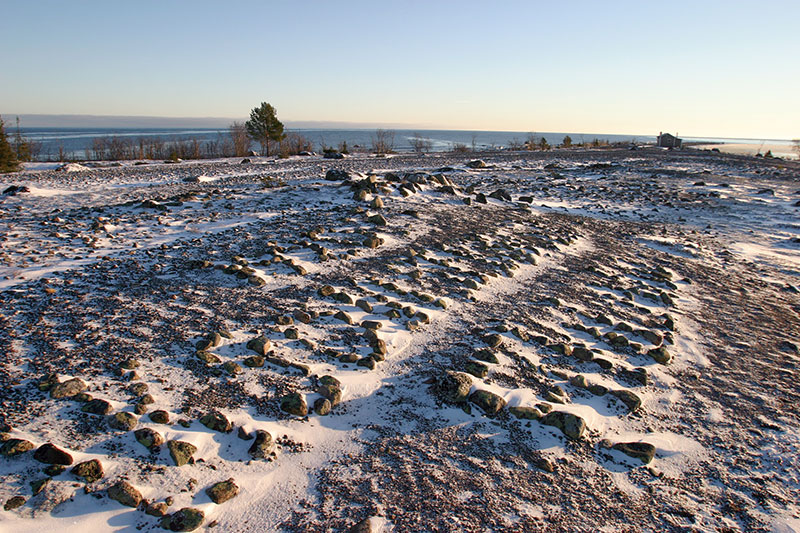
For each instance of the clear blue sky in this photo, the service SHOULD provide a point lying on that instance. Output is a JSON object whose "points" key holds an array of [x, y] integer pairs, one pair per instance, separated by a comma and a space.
{"points": [[717, 68]]}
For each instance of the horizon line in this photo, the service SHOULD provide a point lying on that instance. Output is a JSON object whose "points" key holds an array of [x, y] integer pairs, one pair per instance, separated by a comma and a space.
{"points": [[78, 120]]}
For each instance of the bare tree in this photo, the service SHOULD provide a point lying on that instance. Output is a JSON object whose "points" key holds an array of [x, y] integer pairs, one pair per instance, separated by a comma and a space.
{"points": [[240, 139], [383, 142], [796, 143], [419, 144]]}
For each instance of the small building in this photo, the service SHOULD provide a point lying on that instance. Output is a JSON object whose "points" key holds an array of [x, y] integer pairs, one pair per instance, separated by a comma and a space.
{"points": [[665, 140]]}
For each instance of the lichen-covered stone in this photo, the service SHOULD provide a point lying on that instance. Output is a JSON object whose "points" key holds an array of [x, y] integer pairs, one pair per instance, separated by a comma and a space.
{"points": [[91, 470], [13, 447], [262, 446], [222, 491], [294, 404], [638, 450], [148, 438], [181, 452], [123, 421], [216, 421], [186, 519], [68, 388], [489, 402], [570, 425]]}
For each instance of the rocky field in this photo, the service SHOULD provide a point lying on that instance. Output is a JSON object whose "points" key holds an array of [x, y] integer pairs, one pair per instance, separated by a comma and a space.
{"points": [[567, 341]]}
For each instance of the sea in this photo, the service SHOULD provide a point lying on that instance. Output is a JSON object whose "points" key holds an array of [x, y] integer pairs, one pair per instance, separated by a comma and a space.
{"points": [[75, 143]]}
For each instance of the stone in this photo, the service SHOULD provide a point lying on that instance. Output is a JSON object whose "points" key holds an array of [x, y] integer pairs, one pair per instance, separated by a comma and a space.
{"points": [[330, 380], [91, 470], [661, 355], [477, 163], [336, 174], [326, 290], [232, 367], [494, 340], [489, 402], [13, 503], [373, 241], [378, 220], [207, 357], [291, 333], [638, 450], [526, 413], [186, 519], [262, 446], [222, 491], [579, 380], [371, 324], [122, 421], [331, 392], [364, 305], [254, 361], [216, 421], [486, 355], [157, 509], [181, 452], [148, 438], [294, 404], [630, 399], [260, 345], [137, 389], [479, 370], [54, 470], [13, 447], [302, 316], [47, 382], [97, 407], [572, 426], [159, 417], [322, 406], [581, 353], [49, 454], [453, 387], [344, 317], [68, 388], [366, 362]]}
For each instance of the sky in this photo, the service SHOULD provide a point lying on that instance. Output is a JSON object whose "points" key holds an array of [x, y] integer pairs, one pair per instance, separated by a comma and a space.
{"points": [[697, 68]]}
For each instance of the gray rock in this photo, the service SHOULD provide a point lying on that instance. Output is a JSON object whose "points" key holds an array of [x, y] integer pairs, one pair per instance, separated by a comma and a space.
{"points": [[638, 450], [294, 404], [122, 421], [148, 438], [660, 355], [260, 345], [68, 388], [222, 491], [49, 454], [97, 407], [486, 355], [322, 406], [477, 163], [453, 387], [479, 370], [630, 399], [181, 452], [570, 425], [216, 421], [331, 392], [489, 402], [262, 446], [186, 519], [527, 413], [13, 447], [159, 417], [91, 470]]}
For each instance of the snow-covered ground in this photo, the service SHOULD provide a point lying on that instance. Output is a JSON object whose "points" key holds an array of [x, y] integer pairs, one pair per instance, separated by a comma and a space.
{"points": [[589, 341]]}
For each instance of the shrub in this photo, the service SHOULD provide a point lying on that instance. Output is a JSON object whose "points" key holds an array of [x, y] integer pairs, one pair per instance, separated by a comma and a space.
{"points": [[383, 142], [8, 158]]}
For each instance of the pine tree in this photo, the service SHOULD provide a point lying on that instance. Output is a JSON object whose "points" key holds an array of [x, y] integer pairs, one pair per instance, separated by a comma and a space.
{"points": [[8, 159], [264, 126]]}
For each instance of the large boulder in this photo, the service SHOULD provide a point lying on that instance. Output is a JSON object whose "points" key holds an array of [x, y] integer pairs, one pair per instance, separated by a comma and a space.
{"points": [[13, 447], [222, 491], [216, 421], [186, 519], [453, 387], [294, 404], [91, 470], [49, 454], [638, 450], [489, 402], [122, 421], [571, 425], [262, 446], [181, 451], [336, 174], [68, 388]]}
